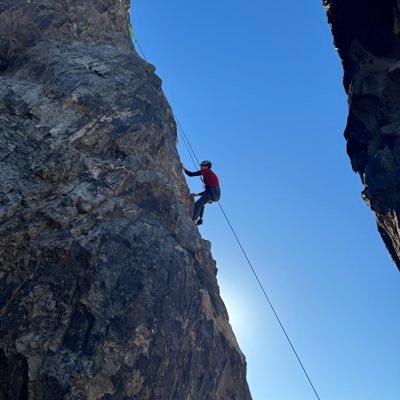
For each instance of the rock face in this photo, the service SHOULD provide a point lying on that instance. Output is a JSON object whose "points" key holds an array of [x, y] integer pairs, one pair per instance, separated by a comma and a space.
{"points": [[107, 289], [367, 36]]}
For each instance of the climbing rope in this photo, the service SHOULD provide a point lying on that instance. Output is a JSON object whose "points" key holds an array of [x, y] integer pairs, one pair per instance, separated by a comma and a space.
{"points": [[252, 268], [134, 40], [269, 301], [188, 146], [196, 162]]}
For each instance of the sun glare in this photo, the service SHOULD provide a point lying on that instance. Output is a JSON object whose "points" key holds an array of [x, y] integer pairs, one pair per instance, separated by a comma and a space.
{"points": [[238, 317]]}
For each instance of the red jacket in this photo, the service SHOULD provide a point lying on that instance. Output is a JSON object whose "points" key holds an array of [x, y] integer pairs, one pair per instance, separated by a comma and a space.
{"points": [[209, 177]]}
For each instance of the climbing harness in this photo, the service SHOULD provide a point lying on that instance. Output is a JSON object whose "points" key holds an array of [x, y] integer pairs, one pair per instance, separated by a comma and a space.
{"points": [[196, 162]]}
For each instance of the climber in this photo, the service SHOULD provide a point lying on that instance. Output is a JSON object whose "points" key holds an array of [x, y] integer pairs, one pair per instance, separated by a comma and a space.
{"points": [[212, 192]]}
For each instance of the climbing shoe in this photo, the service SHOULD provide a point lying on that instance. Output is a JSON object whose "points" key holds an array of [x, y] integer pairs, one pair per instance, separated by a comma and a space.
{"points": [[199, 222]]}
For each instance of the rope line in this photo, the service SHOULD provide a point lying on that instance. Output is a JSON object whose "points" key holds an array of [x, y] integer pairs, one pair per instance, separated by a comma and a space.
{"points": [[188, 146], [186, 138], [250, 264], [134, 40], [194, 158], [256, 276], [186, 142], [269, 301]]}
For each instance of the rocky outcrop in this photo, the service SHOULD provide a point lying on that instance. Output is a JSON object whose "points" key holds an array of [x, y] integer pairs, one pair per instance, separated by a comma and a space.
{"points": [[107, 289], [366, 34]]}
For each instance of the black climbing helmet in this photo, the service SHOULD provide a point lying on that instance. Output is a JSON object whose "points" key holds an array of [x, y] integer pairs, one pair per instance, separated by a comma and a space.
{"points": [[206, 163]]}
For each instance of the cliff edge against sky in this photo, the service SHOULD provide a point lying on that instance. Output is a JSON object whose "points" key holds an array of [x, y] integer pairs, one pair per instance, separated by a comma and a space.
{"points": [[367, 36], [107, 289]]}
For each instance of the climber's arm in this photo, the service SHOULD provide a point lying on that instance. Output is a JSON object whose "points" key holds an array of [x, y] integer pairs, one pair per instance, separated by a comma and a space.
{"points": [[197, 173]]}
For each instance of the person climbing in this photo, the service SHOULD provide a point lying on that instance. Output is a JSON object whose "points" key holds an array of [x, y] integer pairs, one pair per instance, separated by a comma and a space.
{"points": [[212, 192]]}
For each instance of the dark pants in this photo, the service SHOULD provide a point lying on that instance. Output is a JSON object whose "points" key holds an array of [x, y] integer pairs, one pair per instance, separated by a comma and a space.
{"points": [[208, 196]]}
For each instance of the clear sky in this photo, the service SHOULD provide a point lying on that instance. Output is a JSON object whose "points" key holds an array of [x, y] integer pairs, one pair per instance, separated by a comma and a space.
{"points": [[257, 86]]}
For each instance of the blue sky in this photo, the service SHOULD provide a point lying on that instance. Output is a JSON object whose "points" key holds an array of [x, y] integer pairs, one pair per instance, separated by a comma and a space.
{"points": [[257, 86]]}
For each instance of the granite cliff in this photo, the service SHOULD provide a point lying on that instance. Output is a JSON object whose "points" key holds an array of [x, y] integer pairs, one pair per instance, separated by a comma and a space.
{"points": [[108, 290], [367, 36]]}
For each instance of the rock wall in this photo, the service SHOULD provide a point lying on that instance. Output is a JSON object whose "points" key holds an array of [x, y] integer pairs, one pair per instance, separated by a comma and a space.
{"points": [[107, 289], [366, 34]]}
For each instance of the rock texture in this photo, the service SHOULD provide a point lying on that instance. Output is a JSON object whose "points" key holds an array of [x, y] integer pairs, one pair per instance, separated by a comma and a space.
{"points": [[107, 289], [367, 36]]}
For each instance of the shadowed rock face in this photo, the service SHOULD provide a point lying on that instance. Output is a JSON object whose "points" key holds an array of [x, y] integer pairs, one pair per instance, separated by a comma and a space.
{"points": [[107, 289], [366, 34]]}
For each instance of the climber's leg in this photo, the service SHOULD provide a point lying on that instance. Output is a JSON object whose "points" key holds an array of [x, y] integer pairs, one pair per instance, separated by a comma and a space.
{"points": [[199, 206]]}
